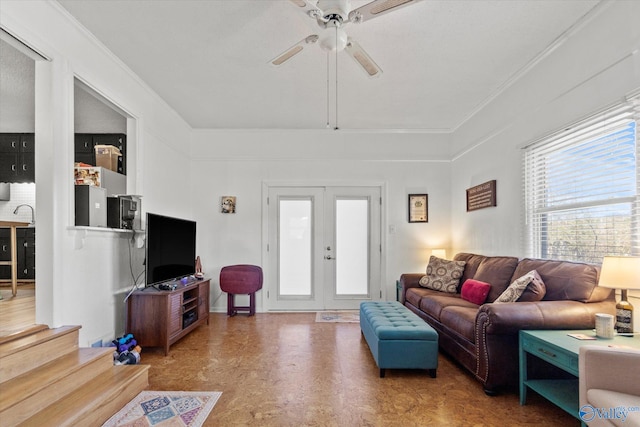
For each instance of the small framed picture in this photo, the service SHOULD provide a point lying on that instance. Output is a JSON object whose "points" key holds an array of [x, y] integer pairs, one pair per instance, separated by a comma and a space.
{"points": [[228, 204], [418, 208]]}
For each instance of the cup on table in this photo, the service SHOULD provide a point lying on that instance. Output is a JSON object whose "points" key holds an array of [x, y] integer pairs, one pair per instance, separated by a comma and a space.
{"points": [[604, 325]]}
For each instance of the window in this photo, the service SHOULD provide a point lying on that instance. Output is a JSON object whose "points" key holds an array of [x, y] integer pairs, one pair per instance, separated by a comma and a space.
{"points": [[581, 188]]}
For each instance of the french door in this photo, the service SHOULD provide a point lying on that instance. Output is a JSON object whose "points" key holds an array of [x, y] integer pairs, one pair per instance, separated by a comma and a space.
{"points": [[324, 247]]}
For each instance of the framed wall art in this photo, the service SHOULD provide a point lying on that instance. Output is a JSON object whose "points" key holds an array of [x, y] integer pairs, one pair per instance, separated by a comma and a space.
{"points": [[228, 204], [418, 208]]}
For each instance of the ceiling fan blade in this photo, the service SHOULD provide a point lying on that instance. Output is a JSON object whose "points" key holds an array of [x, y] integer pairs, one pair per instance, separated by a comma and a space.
{"points": [[358, 54], [377, 8], [294, 50], [310, 7]]}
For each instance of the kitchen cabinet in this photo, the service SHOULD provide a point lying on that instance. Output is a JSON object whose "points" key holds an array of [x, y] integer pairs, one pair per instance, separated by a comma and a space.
{"points": [[25, 253], [84, 147], [17, 157]]}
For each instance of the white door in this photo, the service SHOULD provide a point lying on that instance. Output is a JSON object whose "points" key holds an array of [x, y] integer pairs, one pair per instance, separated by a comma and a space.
{"points": [[324, 247]]}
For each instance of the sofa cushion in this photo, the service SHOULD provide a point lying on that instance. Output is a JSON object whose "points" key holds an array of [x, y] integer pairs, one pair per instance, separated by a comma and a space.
{"points": [[443, 275], [599, 398], [461, 320], [517, 288], [566, 280], [497, 271], [472, 262], [475, 291], [414, 295], [435, 303]]}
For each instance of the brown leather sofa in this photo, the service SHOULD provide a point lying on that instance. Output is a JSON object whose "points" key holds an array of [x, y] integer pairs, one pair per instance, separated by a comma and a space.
{"points": [[484, 338]]}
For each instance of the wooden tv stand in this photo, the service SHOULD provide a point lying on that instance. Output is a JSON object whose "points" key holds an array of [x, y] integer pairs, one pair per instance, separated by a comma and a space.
{"points": [[159, 318]]}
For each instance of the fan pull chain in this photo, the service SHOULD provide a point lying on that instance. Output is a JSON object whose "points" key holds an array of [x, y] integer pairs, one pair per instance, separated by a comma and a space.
{"points": [[336, 122], [328, 98]]}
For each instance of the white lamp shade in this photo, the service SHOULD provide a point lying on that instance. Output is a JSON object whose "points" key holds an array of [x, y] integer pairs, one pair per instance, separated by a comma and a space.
{"points": [[440, 253], [620, 272]]}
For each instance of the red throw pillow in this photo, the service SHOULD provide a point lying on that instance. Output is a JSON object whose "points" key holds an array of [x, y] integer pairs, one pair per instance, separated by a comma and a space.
{"points": [[475, 291]]}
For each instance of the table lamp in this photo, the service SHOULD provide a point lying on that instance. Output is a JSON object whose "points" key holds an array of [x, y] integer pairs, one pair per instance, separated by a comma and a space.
{"points": [[440, 253], [621, 272]]}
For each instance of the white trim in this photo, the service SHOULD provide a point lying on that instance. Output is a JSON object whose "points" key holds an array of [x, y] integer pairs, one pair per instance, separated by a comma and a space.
{"points": [[559, 41]]}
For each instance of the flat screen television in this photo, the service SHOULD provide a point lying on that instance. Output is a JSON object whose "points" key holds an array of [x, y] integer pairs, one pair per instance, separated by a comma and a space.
{"points": [[170, 248]]}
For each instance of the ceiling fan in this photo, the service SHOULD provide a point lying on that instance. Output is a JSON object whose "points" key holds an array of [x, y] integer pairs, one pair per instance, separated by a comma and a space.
{"points": [[332, 16]]}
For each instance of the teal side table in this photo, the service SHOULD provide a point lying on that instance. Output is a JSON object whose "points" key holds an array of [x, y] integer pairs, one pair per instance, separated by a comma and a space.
{"points": [[559, 349]]}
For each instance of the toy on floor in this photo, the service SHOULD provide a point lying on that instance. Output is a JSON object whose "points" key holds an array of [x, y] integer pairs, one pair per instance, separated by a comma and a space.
{"points": [[127, 350], [129, 357], [125, 343]]}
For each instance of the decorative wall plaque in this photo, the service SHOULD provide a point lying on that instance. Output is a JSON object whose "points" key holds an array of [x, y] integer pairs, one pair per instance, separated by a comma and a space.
{"points": [[481, 196], [418, 208]]}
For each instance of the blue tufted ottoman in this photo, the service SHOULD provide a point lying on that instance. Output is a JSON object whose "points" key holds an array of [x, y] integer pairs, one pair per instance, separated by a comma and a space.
{"points": [[398, 338]]}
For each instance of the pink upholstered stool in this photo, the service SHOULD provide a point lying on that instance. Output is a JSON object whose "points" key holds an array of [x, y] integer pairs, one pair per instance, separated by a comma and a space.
{"points": [[241, 279]]}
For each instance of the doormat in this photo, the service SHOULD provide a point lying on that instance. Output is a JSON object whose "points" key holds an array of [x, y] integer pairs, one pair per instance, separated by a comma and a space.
{"points": [[338, 316], [174, 408]]}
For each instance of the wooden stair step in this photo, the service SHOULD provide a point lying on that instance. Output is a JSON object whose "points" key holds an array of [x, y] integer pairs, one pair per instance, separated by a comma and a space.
{"points": [[28, 352], [48, 383], [21, 332], [97, 400]]}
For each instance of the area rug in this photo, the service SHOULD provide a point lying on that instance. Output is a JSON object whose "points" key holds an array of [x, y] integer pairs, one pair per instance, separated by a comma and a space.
{"points": [[338, 316], [166, 408]]}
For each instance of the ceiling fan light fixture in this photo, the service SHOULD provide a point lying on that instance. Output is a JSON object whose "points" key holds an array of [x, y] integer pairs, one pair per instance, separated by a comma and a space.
{"points": [[333, 40]]}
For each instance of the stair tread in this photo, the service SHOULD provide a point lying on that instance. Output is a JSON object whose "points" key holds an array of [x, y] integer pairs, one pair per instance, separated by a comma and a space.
{"points": [[19, 333], [104, 388], [31, 340], [31, 382]]}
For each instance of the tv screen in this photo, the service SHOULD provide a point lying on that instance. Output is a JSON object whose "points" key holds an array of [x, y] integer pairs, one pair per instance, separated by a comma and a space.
{"points": [[170, 248]]}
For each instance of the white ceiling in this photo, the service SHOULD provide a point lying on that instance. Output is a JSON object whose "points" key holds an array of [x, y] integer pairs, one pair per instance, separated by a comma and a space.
{"points": [[442, 59]]}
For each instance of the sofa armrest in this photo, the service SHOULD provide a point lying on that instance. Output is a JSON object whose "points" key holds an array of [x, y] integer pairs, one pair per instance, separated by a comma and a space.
{"points": [[409, 280], [497, 327], [509, 318], [621, 373]]}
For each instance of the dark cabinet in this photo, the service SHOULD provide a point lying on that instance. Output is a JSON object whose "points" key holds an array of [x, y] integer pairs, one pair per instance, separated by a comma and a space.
{"points": [[5, 252], [17, 157], [84, 147], [26, 238], [25, 251]]}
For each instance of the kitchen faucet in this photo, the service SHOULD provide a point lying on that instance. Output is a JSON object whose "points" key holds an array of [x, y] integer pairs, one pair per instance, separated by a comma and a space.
{"points": [[33, 217]]}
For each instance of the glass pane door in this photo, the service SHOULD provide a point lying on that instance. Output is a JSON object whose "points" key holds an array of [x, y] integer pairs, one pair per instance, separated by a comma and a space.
{"points": [[324, 247], [295, 244]]}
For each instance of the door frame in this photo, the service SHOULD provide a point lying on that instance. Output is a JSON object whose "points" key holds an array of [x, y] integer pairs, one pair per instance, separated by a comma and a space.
{"points": [[268, 287]]}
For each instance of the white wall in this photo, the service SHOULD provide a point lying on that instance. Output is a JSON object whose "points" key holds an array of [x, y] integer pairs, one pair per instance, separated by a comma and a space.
{"points": [[17, 79], [595, 66], [237, 163], [84, 274]]}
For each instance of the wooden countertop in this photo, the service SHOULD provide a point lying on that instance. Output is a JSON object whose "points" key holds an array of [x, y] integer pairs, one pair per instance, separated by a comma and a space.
{"points": [[13, 224]]}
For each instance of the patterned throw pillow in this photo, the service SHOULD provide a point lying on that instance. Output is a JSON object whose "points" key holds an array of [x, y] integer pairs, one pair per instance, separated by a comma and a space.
{"points": [[443, 275], [535, 291], [517, 288]]}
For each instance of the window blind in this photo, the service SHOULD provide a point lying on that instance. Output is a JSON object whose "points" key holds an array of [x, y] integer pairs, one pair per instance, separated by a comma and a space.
{"points": [[581, 188]]}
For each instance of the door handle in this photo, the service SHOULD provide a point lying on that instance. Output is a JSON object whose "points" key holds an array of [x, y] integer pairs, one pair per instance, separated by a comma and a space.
{"points": [[328, 257]]}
